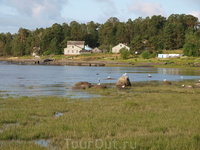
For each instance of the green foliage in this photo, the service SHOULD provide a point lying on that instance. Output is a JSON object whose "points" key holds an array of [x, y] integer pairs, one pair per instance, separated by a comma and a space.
{"points": [[192, 45], [190, 49], [136, 43], [153, 55], [47, 52], [146, 54], [124, 53], [53, 47], [155, 33]]}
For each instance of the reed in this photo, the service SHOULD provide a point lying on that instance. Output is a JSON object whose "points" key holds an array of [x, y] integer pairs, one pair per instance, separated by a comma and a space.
{"points": [[146, 116]]}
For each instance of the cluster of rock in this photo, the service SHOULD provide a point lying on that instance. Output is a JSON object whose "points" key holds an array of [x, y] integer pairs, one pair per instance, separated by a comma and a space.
{"points": [[123, 82], [31, 61], [86, 85]]}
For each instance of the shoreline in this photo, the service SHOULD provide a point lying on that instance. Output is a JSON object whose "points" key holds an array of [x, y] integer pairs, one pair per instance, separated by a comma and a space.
{"points": [[96, 63], [54, 62]]}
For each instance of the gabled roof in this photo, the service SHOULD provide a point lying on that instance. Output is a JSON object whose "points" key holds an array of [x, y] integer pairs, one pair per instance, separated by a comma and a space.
{"points": [[75, 42], [97, 49], [78, 46], [121, 44]]}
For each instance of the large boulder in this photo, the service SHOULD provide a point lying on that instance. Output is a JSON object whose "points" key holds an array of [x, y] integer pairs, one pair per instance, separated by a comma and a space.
{"points": [[82, 85], [123, 82]]}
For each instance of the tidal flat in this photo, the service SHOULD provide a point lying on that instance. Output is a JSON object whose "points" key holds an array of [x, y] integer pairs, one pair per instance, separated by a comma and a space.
{"points": [[145, 116]]}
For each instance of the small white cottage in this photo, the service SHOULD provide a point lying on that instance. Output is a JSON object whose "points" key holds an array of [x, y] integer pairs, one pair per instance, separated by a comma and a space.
{"points": [[117, 48]]}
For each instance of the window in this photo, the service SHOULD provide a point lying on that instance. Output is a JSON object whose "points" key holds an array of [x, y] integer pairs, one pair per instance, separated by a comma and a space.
{"points": [[72, 51], [68, 51], [120, 45], [76, 51], [72, 46]]}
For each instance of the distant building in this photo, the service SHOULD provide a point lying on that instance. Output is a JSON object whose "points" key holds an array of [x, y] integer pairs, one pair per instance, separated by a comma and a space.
{"points": [[97, 50], [117, 48], [76, 48], [169, 55], [79, 47]]}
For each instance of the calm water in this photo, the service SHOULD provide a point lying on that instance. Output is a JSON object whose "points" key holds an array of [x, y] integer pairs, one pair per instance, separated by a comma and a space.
{"points": [[27, 80]]}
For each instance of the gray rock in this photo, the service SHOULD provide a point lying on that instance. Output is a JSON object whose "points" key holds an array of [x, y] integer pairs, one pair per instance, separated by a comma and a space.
{"points": [[82, 85], [123, 82]]}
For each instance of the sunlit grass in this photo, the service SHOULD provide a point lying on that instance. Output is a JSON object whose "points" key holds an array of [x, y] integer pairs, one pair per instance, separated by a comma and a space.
{"points": [[154, 116]]}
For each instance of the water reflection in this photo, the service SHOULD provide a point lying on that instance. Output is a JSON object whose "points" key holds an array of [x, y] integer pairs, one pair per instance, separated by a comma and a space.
{"points": [[176, 71]]}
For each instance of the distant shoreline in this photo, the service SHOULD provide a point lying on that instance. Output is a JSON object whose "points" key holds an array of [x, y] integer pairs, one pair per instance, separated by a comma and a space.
{"points": [[102, 63], [54, 62]]}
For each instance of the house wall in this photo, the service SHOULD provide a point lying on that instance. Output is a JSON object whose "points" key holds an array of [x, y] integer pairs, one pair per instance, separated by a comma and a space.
{"points": [[162, 55], [85, 52], [169, 55], [117, 48], [72, 50], [175, 55], [96, 51]]}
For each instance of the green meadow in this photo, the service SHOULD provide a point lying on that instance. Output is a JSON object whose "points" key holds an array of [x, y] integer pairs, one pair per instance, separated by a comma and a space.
{"points": [[145, 116]]}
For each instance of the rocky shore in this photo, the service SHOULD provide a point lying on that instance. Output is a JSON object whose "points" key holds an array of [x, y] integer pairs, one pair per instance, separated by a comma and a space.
{"points": [[54, 62]]}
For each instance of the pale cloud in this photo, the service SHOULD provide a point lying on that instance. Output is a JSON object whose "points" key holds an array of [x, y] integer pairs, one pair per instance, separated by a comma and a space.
{"points": [[34, 8], [38, 10], [30, 13], [196, 14], [108, 9], [147, 9]]}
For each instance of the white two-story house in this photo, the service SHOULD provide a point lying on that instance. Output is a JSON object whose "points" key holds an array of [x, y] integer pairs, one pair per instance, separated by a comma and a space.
{"points": [[74, 47]]}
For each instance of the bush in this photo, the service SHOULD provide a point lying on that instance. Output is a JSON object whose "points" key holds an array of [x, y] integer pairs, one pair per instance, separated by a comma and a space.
{"points": [[124, 53], [153, 55], [146, 54], [190, 49]]}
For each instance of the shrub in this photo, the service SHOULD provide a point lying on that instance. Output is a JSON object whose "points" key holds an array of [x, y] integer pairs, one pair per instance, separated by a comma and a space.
{"points": [[190, 50], [145, 54], [153, 55], [124, 53]]}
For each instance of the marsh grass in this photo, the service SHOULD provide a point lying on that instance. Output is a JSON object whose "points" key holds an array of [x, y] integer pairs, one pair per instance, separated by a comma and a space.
{"points": [[153, 116]]}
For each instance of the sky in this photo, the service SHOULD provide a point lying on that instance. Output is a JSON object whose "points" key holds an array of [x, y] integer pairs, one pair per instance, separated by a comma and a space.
{"points": [[32, 14]]}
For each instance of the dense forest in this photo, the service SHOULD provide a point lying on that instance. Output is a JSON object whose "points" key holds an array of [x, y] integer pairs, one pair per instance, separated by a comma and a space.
{"points": [[154, 34]]}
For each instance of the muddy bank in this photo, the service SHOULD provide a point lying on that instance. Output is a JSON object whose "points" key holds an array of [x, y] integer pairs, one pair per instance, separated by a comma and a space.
{"points": [[52, 62], [64, 62]]}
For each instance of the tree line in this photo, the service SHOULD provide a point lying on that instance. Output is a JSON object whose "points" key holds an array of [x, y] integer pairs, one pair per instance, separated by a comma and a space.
{"points": [[151, 33]]}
